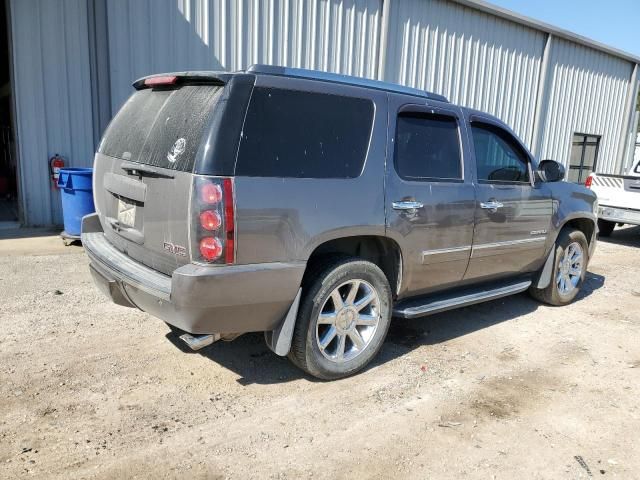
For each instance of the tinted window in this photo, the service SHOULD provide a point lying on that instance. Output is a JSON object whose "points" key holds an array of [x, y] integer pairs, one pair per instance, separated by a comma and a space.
{"points": [[162, 128], [427, 147], [302, 134], [498, 157]]}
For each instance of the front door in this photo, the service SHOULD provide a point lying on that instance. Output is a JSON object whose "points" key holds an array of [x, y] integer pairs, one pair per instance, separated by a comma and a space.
{"points": [[430, 198], [512, 215]]}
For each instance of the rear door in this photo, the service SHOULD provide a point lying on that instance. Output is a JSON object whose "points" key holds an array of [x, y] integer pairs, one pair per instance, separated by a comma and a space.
{"points": [[513, 215], [143, 172], [430, 199]]}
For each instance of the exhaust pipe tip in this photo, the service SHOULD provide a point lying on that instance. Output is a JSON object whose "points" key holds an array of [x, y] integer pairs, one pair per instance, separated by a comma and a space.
{"points": [[196, 342]]}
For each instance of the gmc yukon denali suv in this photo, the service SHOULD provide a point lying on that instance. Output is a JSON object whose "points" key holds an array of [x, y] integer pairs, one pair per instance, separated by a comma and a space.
{"points": [[315, 207]]}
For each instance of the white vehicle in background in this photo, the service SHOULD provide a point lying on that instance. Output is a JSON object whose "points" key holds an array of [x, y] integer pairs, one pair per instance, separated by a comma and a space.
{"points": [[618, 198]]}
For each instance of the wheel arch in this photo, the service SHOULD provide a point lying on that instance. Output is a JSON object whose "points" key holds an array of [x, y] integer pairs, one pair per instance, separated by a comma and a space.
{"points": [[585, 224], [372, 246], [378, 249]]}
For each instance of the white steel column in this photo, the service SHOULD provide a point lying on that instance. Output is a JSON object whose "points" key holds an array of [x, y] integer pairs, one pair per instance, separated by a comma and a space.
{"points": [[632, 95], [542, 98]]}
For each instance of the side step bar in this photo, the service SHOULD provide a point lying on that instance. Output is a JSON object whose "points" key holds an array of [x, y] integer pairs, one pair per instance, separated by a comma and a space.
{"points": [[427, 306]]}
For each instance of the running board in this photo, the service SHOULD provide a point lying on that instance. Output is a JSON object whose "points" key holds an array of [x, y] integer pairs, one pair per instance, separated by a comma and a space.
{"points": [[419, 307]]}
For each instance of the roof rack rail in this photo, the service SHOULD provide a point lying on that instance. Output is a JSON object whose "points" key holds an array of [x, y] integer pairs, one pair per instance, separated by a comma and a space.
{"points": [[344, 79]]}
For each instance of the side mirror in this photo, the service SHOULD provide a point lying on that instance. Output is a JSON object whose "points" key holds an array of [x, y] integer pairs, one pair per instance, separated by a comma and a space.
{"points": [[551, 171]]}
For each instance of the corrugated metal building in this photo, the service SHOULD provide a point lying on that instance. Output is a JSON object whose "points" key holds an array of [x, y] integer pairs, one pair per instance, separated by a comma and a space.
{"points": [[73, 62]]}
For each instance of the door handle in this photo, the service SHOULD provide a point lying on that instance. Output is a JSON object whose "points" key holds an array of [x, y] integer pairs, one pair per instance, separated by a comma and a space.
{"points": [[492, 205], [407, 205]]}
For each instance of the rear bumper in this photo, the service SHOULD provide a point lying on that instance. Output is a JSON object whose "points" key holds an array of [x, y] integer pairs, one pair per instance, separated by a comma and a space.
{"points": [[619, 215], [196, 299]]}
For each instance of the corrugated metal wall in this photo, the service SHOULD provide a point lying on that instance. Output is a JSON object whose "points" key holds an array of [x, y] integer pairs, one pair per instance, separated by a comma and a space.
{"points": [[474, 59], [52, 97], [75, 60], [587, 93], [152, 36]]}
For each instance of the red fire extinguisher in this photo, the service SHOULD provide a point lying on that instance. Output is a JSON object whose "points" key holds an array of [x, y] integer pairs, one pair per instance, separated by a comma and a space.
{"points": [[55, 164]]}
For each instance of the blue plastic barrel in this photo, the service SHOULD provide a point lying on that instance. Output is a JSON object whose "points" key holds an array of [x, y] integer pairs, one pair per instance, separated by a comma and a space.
{"points": [[77, 197]]}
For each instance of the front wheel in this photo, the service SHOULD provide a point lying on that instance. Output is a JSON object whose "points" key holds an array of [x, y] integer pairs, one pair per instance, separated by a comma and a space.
{"points": [[343, 319], [570, 268]]}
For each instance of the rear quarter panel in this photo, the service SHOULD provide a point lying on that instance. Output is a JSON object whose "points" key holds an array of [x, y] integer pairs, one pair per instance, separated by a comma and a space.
{"points": [[285, 219]]}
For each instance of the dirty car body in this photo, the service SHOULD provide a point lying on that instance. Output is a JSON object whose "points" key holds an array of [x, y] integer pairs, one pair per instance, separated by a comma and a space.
{"points": [[219, 197]]}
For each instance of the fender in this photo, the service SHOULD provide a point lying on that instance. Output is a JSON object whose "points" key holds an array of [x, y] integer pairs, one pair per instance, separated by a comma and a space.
{"points": [[571, 202]]}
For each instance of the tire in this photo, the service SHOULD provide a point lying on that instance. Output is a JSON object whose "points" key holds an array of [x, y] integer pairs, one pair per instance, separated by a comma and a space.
{"points": [[357, 330], [605, 227], [558, 293]]}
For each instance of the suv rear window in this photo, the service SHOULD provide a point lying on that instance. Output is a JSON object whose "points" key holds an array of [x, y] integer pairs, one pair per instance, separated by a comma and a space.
{"points": [[290, 133], [161, 127]]}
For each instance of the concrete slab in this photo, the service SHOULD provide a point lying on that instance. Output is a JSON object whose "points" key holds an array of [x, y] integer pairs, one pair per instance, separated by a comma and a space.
{"points": [[34, 241]]}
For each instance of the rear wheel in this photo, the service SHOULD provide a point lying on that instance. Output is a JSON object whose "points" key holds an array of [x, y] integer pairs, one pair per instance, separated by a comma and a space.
{"points": [[605, 227], [570, 267], [343, 319]]}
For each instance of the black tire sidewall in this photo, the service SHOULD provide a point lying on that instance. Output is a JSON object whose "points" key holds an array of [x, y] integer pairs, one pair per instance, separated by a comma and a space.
{"points": [[348, 269], [605, 227]]}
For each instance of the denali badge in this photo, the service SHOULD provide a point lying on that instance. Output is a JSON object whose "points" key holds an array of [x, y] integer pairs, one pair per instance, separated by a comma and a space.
{"points": [[538, 232], [175, 249], [176, 150]]}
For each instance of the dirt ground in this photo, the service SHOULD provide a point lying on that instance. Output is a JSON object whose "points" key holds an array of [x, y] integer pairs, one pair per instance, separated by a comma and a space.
{"points": [[502, 390]]}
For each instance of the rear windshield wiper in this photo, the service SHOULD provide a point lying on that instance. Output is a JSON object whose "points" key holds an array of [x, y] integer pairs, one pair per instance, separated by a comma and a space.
{"points": [[141, 170]]}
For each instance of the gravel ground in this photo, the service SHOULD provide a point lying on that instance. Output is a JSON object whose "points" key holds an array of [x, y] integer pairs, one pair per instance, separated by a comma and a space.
{"points": [[505, 389]]}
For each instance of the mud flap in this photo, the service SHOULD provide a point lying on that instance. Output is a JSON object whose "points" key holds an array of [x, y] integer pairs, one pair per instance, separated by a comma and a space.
{"points": [[547, 270], [279, 340]]}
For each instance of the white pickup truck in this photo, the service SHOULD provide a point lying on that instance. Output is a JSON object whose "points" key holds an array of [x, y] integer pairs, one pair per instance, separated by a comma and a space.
{"points": [[618, 198]]}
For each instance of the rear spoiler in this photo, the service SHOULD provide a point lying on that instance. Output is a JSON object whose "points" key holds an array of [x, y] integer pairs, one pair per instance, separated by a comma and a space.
{"points": [[182, 78]]}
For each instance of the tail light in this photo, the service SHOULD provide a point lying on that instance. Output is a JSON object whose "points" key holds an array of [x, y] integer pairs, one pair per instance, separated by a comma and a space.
{"points": [[212, 221], [588, 181]]}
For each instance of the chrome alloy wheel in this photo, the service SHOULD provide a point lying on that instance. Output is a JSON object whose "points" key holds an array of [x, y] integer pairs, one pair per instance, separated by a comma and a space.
{"points": [[570, 268], [348, 321]]}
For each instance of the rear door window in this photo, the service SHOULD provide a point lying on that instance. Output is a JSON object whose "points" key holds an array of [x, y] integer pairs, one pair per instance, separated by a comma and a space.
{"points": [[301, 134], [161, 127], [428, 147]]}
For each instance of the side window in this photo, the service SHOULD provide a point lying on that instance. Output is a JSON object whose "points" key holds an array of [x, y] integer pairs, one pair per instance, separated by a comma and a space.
{"points": [[498, 157], [427, 147], [289, 133]]}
